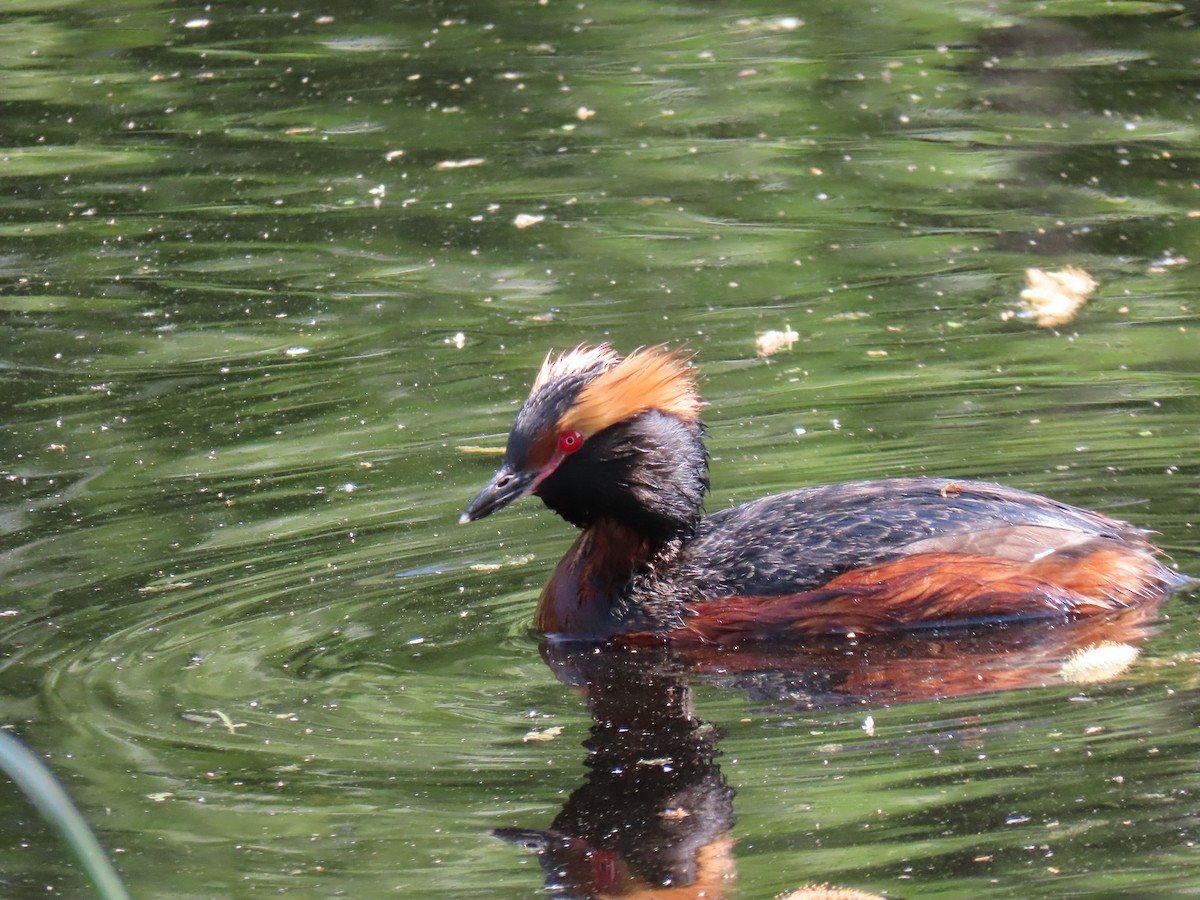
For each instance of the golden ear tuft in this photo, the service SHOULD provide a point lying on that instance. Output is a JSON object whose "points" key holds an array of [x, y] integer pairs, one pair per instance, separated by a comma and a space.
{"points": [[581, 359], [650, 378]]}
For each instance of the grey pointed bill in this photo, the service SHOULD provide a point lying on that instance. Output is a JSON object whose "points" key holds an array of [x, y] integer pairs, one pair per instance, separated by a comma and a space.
{"points": [[505, 487]]}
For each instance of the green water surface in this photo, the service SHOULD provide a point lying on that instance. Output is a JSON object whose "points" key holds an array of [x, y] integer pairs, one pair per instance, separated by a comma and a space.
{"points": [[269, 276]]}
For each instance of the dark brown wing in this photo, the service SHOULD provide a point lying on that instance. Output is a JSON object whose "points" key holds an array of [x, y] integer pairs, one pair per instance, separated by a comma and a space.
{"points": [[803, 539], [880, 555]]}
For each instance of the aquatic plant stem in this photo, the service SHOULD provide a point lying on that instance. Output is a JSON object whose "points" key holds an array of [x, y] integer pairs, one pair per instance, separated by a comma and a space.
{"points": [[41, 787]]}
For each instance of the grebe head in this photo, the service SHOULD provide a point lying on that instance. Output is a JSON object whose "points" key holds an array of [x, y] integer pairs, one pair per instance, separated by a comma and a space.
{"points": [[607, 437]]}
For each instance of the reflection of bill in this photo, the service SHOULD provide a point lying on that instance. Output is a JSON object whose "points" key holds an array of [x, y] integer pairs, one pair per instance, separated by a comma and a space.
{"points": [[654, 814]]}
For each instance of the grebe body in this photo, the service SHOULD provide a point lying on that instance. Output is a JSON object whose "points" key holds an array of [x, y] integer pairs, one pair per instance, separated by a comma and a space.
{"points": [[615, 446]]}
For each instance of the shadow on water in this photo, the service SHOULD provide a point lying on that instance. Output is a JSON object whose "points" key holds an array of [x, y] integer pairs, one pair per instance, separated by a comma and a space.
{"points": [[655, 815]]}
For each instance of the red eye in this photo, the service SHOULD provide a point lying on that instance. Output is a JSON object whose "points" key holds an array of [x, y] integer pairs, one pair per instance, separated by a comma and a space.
{"points": [[569, 441]]}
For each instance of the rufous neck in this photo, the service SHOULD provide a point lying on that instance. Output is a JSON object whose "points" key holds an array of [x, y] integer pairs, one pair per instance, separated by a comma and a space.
{"points": [[584, 598]]}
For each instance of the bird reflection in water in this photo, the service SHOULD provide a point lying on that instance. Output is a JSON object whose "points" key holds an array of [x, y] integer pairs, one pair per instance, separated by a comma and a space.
{"points": [[654, 815]]}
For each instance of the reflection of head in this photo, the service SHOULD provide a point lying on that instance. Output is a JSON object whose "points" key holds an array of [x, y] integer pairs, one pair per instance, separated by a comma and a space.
{"points": [[654, 811]]}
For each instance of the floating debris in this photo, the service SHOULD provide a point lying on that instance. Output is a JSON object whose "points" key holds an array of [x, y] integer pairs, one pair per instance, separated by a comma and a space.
{"points": [[210, 717], [446, 164], [168, 586], [827, 892], [1053, 298], [778, 23], [1099, 662], [771, 342], [1163, 263], [543, 734], [521, 560]]}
